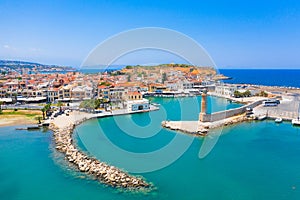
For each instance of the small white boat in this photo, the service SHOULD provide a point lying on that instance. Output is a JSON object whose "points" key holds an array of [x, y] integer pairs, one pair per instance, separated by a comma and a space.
{"points": [[262, 117], [296, 122], [278, 120], [155, 104]]}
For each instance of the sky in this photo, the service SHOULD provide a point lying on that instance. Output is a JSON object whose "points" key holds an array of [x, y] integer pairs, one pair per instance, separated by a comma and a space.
{"points": [[236, 34]]}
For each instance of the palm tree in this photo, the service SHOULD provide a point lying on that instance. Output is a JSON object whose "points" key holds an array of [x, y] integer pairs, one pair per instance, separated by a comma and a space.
{"points": [[1, 102], [43, 111], [39, 118], [60, 104]]}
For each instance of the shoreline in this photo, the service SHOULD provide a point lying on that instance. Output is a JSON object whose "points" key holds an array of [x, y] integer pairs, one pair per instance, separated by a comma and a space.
{"points": [[16, 121], [19, 117]]}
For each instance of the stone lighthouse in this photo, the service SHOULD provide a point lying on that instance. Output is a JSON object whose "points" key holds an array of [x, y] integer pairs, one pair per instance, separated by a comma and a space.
{"points": [[202, 114]]}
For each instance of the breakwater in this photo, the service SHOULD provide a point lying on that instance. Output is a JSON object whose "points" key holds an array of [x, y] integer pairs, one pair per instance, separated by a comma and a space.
{"points": [[202, 128], [103, 172], [217, 116]]}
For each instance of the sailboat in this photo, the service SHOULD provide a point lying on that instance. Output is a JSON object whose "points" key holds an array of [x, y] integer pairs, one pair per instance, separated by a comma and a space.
{"points": [[296, 122]]}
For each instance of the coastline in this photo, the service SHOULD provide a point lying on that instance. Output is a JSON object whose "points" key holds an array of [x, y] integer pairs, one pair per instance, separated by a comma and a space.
{"points": [[19, 117], [16, 121]]}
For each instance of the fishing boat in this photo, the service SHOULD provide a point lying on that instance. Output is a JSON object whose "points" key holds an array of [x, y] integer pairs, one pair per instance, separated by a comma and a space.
{"points": [[278, 120]]}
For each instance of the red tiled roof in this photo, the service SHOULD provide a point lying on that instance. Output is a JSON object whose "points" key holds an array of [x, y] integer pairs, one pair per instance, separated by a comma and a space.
{"points": [[102, 87], [134, 93]]}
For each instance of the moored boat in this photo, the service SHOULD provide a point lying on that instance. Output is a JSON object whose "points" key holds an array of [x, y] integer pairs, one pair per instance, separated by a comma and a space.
{"points": [[296, 122], [262, 117], [278, 120]]}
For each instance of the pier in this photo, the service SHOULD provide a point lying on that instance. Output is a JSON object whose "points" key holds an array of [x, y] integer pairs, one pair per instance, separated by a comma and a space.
{"points": [[287, 110]]}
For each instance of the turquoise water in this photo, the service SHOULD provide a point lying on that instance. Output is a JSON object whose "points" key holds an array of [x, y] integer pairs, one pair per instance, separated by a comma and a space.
{"points": [[258, 160]]}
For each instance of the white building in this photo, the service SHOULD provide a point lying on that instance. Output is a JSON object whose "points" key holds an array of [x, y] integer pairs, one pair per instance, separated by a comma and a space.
{"points": [[136, 105], [82, 92], [225, 90]]}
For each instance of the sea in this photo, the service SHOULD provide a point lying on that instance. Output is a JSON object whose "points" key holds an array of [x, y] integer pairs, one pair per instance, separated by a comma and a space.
{"points": [[250, 160], [269, 77]]}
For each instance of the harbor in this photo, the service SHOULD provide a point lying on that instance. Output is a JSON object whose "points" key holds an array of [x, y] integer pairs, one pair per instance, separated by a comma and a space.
{"points": [[63, 127], [286, 109]]}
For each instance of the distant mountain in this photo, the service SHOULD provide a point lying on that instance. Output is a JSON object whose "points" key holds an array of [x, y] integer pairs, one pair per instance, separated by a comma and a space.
{"points": [[15, 62], [15, 65], [23, 63]]}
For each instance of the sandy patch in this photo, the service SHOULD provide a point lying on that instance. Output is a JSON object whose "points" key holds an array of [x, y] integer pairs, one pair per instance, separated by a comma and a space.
{"points": [[13, 120]]}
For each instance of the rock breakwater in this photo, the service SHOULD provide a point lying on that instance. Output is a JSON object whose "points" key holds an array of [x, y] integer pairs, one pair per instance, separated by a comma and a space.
{"points": [[103, 172]]}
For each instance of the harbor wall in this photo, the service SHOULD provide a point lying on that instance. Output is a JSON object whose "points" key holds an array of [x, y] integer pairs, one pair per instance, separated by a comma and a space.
{"points": [[227, 113]]}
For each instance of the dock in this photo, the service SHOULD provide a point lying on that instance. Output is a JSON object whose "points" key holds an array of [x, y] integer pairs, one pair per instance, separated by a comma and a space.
{"points": [[287, 109]]}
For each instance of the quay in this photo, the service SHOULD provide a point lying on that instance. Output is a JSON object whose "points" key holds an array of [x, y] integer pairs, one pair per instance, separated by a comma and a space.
{"points": [[171, 94], [287, 110], [63, 127]]}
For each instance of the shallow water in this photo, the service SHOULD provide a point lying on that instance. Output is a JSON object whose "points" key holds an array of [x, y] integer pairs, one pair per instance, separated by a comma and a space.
{"points": [[258, 160]]}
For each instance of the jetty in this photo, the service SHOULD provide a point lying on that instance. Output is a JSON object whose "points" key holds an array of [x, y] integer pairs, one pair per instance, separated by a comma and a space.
{"points": [[287, 110], [199, 128], [63, 127], [209, 121]]}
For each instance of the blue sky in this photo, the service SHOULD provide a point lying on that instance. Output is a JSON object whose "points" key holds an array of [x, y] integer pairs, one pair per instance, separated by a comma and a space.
{"points": [[237, 34]]}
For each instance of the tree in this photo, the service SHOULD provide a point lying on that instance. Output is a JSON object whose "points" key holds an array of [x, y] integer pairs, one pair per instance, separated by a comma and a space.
{"points": [[38, 118], [128, 67], [46, 109], [1, 102], [247, 93], [263, 94], [90, 104], [237, 94], [59, 104], [43, 111]]}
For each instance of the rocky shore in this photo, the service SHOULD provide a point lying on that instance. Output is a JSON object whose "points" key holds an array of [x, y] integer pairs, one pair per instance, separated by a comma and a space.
{"points": [[103, 172]]}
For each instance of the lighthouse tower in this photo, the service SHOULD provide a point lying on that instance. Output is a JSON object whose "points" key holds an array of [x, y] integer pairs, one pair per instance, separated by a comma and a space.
{"points": [[203, 107]]}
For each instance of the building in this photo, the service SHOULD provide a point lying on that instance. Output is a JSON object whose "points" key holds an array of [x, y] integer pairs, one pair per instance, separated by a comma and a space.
{"points": [[225, 90], [135, 102], [137, 105], [82, 93], [134, 96]]}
